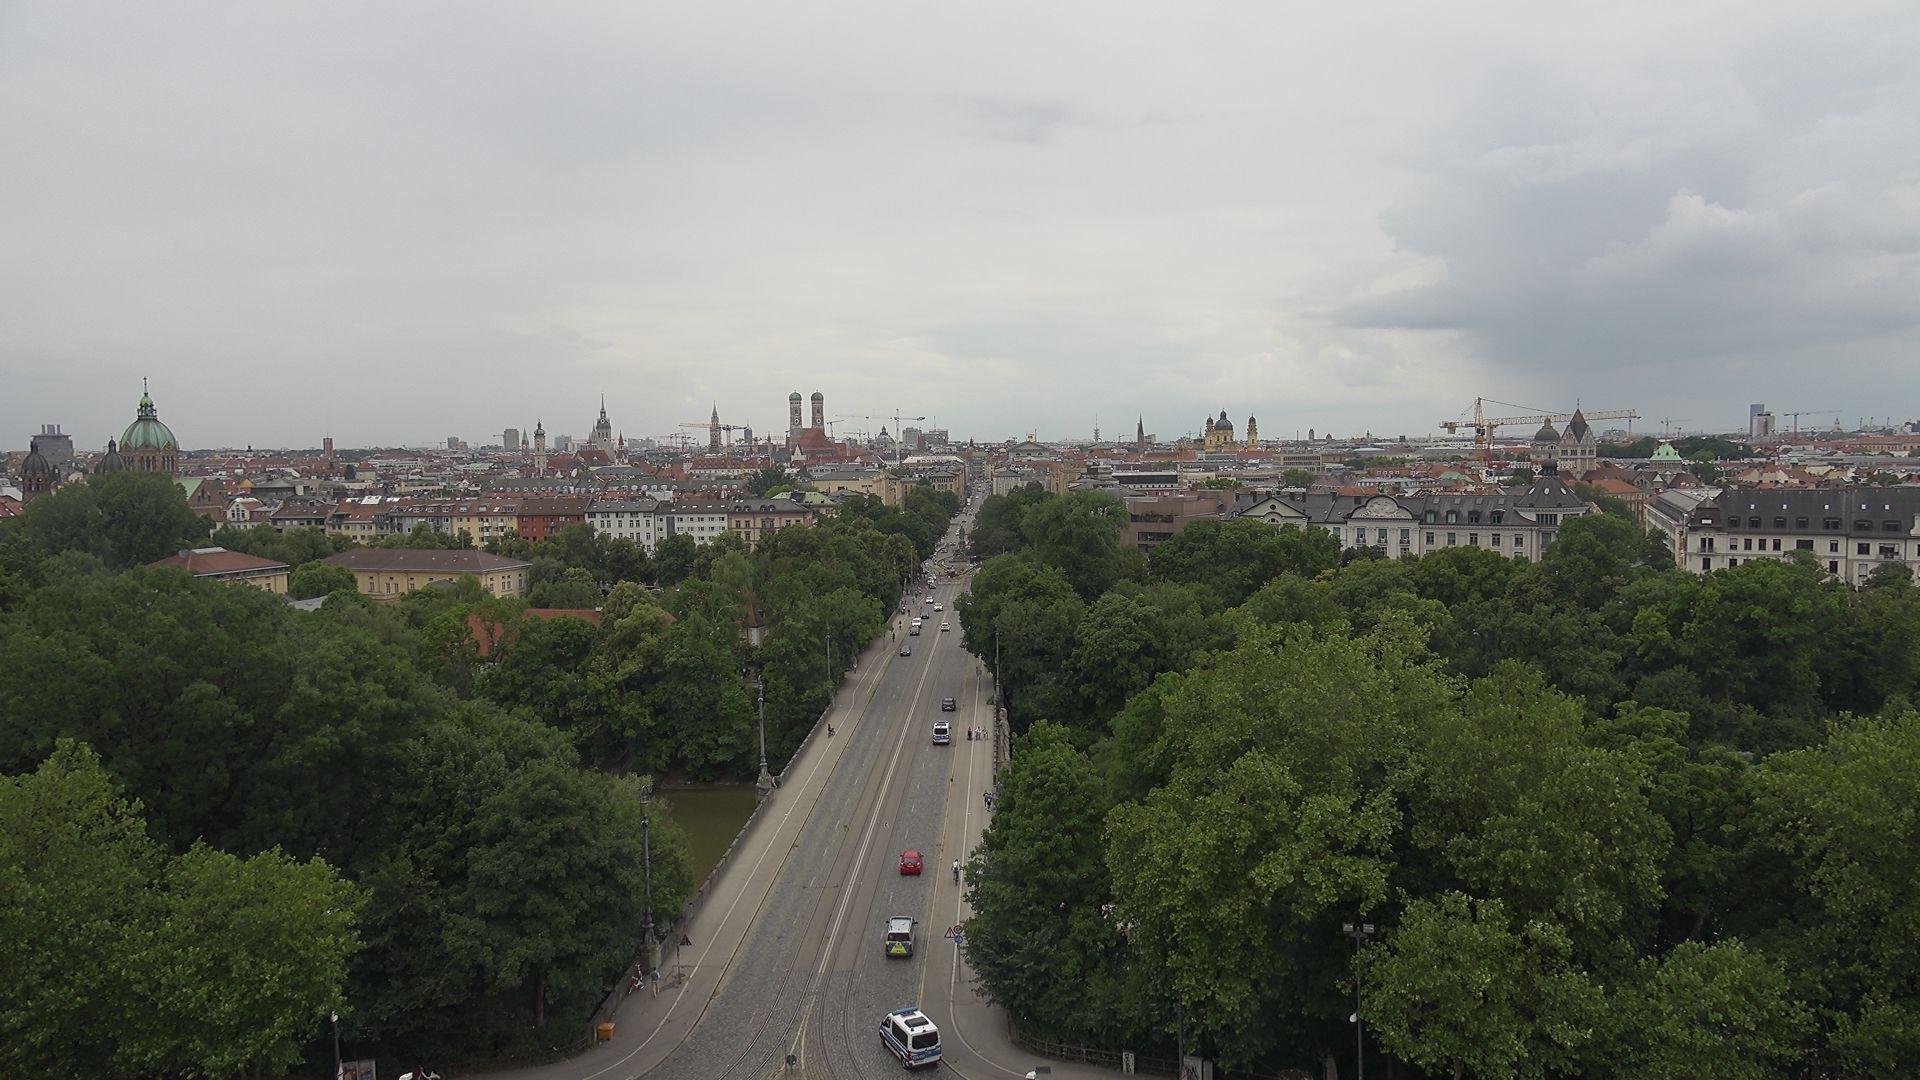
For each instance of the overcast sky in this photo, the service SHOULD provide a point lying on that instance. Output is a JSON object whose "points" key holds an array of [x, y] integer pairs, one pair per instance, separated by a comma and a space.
{"points": [[391, 223]]}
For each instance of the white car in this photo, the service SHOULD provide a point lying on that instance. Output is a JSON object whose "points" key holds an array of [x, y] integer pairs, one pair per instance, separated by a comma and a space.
{"points": [[929, 599], [944, 627], [939, 607]]}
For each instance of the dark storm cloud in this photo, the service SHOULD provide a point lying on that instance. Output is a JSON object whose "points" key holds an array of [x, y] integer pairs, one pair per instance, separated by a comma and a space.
{"points": [[1749, 225]]}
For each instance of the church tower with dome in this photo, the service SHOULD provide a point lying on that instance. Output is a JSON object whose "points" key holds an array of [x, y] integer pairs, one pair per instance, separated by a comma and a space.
{"points": [[38, 476], [148, 445], [1219, 433]]}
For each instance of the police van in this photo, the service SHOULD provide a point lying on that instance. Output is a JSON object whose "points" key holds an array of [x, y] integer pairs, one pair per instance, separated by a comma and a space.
{"points": [[911, 1037]]}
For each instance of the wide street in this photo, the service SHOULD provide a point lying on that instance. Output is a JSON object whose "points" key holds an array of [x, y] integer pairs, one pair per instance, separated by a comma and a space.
{"points": [[785, 956]]}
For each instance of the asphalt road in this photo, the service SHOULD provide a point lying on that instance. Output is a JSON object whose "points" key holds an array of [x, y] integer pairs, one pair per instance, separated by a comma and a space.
{"points": [[786, 956]]}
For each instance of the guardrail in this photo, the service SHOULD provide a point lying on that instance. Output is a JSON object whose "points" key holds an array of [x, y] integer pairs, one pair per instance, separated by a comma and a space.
{"points": [[674, 932], [1089, 1055]]}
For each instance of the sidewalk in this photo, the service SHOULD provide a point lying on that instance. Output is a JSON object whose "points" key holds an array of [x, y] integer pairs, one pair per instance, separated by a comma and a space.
{"points": [[649, 1024], [973, 1031]]}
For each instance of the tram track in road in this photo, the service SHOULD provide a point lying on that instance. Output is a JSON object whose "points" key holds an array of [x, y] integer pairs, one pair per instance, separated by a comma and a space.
{"points": [[757, 1045], [887, 796]]}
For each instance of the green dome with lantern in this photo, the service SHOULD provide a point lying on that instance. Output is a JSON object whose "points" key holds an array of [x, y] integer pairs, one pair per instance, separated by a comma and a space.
{"points": [[147, 432]]}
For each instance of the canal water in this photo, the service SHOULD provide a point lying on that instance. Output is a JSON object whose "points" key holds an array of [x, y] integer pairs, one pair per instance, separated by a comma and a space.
{"points": [[712, 817]]}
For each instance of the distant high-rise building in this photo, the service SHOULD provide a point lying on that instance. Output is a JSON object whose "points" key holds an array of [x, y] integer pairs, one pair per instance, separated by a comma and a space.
{"points": [[453, 442], [938, 437], [1759, 421], [912, 439], [55, 445], [510, 440]]}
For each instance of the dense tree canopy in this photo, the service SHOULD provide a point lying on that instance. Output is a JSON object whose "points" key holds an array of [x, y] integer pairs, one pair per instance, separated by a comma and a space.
{"points": [[1607, 818], [426, 813]]}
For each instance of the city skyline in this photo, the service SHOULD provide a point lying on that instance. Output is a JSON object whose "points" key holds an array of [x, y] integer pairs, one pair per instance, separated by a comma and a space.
{"points": [[1010, 219]]}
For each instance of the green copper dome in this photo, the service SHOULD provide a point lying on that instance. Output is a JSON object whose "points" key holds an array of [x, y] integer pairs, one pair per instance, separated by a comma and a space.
{"points": [[147, 432], [1666, 453]]}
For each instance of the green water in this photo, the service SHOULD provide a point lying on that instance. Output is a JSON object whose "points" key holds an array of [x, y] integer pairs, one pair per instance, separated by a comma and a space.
{"points": [[712, 817]]}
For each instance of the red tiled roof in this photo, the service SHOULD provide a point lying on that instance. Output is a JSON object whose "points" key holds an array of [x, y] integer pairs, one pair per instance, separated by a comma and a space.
{"points": [[214, 562]]}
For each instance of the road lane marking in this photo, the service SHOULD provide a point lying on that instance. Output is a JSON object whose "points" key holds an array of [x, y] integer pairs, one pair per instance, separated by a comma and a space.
{"points": [[799, 1045], [808, 793]]}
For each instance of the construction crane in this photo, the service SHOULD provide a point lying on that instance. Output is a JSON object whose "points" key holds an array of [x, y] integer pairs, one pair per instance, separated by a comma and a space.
{"points": [[898, 418], [1666, 425], [1795, 416], [1484, 426], [708, 426]]}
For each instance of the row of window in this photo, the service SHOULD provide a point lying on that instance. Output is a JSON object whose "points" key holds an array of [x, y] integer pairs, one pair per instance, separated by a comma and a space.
{"points": [[1830, 524], [1453, 539]]}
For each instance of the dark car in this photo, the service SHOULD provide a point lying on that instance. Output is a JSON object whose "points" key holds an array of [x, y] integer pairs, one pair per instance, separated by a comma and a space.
{"points": [[946, 704], [906, 650]]}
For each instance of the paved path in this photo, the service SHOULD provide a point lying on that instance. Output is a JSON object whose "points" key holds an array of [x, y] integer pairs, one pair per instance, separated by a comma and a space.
{"points": [[785, 956]]}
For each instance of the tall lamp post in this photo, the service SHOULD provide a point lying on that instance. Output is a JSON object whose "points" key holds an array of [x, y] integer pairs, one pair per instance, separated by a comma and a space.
{"points": [[760, 686], [338, 1068], [646, 855], [1359, 932]]}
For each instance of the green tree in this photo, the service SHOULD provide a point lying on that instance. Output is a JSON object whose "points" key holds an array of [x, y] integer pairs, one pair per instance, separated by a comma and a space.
{"points": [[205, 964], [1267, 818], [996, 525], [121, 518], [1297, 478], [1457, 988], [1080, 534], [1844, 814], [1511, 803], [319, 579], [1719, 1012], [673, 559], [1237, 558], [767, 480], [1041, 937]]}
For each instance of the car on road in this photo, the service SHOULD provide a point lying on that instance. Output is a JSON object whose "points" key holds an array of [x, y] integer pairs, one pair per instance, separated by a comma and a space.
{"points": [[906, 650], [939, 607], [908, 1035], [899, 940], [942, 733], [945, 627], [909, 862], [929, 600], [946, 704]]}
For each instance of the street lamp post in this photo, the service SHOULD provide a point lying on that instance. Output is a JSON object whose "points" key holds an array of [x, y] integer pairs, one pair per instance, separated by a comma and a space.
{"points": [[646, 856], [338, 1069], [760, 685], [1359, 932]]}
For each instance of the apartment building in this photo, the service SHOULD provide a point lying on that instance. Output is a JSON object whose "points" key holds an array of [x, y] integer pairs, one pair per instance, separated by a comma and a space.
{"points": [[637, 520], [753, 520], [1848, 531]]}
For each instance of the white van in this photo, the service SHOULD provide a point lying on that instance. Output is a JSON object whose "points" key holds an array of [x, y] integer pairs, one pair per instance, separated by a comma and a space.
{"points": [[911, 1037]]}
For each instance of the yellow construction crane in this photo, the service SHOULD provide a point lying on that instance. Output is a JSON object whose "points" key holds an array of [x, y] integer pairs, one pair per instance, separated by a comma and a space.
{"points": [[1484, 426]]}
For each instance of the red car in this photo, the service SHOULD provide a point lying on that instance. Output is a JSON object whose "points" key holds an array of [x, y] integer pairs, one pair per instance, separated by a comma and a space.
{"points": [[909, 862]]}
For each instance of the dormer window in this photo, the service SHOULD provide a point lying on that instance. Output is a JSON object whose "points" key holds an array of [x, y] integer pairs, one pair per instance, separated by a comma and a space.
{"points": [[1499, 516]]}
